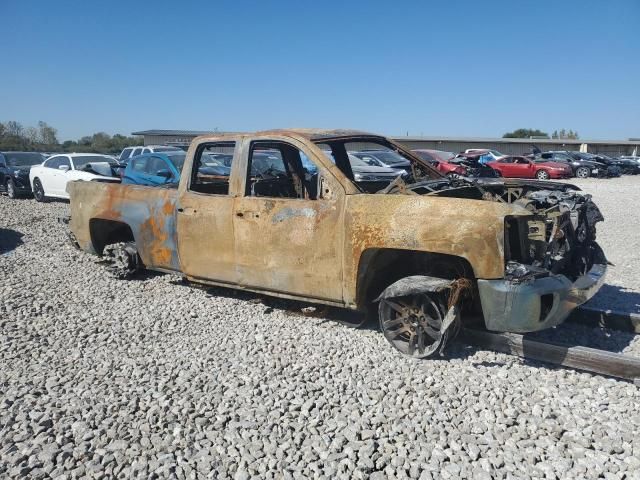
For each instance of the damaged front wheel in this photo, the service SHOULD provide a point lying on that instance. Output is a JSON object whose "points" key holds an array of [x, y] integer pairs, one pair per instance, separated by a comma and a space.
{"points": [[415, 324], [122, 259]]}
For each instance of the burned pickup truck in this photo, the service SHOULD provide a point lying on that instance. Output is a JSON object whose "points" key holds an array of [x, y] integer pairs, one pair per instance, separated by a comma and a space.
{"points": [[423, 252]]}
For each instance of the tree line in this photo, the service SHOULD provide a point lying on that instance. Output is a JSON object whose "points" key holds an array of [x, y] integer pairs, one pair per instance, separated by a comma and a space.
{"points": [[44, 138], [535, 133]]}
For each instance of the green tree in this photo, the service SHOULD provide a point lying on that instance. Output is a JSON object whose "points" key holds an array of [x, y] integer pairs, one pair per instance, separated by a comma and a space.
{"points": [[48, 134], [525, 133]]}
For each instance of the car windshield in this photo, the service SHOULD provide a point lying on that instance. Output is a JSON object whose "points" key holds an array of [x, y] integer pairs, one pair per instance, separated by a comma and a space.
{"points": [[444, 156], [368, 159], [389, 157], [23, 159], [358, 162], [177, 159], [496, 153], [211, 161], [165, 149], [81, 162]]}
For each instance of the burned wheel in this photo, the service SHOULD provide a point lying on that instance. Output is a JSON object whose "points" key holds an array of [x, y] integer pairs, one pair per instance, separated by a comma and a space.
{"points": [[122, 259], [413, 324]]}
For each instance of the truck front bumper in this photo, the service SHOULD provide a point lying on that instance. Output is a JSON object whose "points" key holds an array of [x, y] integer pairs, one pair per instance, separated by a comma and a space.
{"points": [[536, 305]]}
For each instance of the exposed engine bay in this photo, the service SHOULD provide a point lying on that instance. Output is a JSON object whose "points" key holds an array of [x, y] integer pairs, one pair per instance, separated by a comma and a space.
{"points": [[559, 237]]}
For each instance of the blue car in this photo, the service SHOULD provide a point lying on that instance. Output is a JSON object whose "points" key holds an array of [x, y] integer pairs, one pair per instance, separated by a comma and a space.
{"points": [[156, 169]]}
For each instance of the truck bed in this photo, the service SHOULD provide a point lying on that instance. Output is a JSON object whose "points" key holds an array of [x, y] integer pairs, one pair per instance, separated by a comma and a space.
{"points": [[99, 211]]}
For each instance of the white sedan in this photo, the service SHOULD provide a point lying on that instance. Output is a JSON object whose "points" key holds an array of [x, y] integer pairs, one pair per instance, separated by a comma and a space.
{"points": [[50, 179]]}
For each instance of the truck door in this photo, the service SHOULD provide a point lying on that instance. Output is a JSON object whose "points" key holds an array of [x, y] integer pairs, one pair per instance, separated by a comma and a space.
{"points": [[204, 215], [288, 231]]}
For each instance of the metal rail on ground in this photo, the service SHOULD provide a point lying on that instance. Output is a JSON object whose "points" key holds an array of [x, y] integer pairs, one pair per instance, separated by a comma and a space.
{"points": [[614, 319], [580, 358]]}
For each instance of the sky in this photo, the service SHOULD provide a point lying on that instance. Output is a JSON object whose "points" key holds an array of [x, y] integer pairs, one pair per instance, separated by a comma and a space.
{"points": [[450, 68]]}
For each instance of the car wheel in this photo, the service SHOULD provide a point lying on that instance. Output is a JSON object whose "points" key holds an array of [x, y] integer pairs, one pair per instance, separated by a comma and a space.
{"points": [[542, 175], [453, 175], [38, 191], [583, 172], [413, 324], [122, 259], [11, 189]]}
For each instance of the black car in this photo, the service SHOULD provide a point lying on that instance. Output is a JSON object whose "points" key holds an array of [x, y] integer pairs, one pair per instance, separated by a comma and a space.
{"points": [[582, 167], [613, 168], [628, 167], [14, 172]]}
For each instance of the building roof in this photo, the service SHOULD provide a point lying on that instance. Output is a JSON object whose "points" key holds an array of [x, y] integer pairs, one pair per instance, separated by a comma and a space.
{"points": [[516, 140], [316, 133], [187, 133]]}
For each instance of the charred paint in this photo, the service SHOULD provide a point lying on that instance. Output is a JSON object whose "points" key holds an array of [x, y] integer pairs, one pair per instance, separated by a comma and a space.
{"points": [[296, 247]]}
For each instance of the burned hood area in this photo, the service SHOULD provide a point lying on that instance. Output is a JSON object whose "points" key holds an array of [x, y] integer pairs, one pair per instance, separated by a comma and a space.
{"points": [[557, 236]]}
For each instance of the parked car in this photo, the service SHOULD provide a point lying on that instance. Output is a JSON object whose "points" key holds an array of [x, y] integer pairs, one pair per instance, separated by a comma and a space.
{"points": [[14, 172], [50, 179], [611, 168], [626, 166], [409, 252], [487, 155], [472, 163], [154, 169], [129, 152], [364, 172], [581, 167], [633, 158], [384, 158], [441, 161], [514, 166]]}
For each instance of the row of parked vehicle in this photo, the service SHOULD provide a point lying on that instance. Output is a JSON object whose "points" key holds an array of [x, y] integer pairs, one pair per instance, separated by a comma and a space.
{"points": [[46, 176], [539, 165]]}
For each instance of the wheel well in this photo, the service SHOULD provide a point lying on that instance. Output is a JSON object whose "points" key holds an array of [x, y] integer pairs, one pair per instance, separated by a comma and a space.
{"points": [[105, 232], [380, 267]]}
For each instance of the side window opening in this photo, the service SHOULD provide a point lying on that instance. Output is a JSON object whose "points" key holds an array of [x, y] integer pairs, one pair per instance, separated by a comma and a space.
{"points": [[139, 164], [280, 170], [212, 168]]}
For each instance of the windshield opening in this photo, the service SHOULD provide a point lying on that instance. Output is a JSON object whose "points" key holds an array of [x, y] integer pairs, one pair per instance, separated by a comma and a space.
{"points": [[81, 162], [373, 163]]}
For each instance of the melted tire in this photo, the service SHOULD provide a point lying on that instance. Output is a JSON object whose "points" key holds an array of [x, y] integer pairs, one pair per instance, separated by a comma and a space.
{"points": [[122, 260]]}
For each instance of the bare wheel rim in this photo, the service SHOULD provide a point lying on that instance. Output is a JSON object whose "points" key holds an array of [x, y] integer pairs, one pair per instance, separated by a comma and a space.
{"points": [[413, 324], [582, 172]]}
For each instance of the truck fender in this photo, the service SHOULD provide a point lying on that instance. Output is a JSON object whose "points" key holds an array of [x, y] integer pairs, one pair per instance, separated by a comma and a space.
{"points": [[415, 284]]}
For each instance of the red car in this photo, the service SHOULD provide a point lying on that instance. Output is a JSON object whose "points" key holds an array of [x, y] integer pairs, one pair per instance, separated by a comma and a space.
{"points": [[440, 161], [522, 167]]}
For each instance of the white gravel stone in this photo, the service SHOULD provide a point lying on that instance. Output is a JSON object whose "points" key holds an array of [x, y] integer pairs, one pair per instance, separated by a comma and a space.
{"points": [[151, 377]]}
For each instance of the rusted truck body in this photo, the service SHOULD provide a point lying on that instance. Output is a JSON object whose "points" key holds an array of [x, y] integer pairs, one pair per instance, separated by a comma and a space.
{"points": [[524, 252]]}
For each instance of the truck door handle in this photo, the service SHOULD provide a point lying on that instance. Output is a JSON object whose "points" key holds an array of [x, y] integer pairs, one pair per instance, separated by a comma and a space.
{"points": [[186, 210], [239, 214]]}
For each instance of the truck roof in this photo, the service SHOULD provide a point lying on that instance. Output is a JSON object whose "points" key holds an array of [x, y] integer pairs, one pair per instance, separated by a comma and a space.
{"points": [[309, 133]]}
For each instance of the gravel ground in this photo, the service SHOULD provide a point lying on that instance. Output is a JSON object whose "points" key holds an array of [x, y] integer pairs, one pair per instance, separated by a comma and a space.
{"points": [[103, 378]]}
